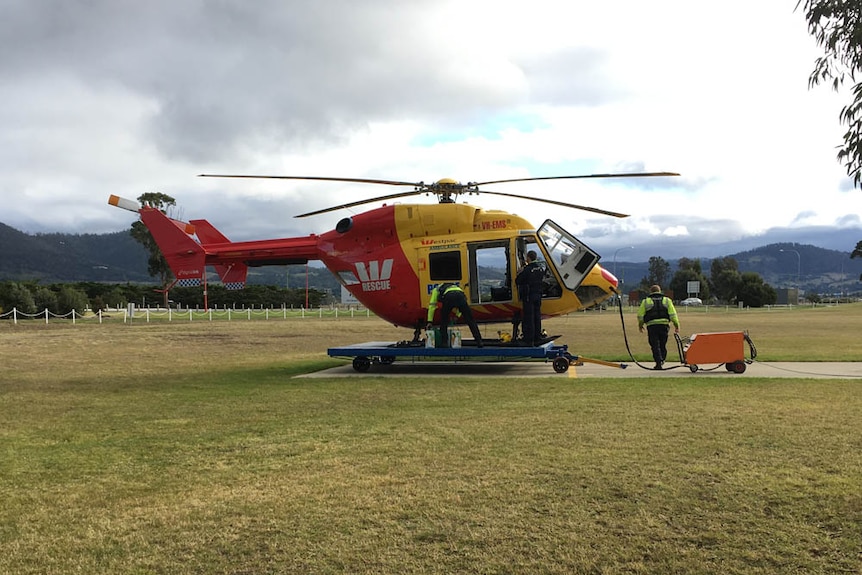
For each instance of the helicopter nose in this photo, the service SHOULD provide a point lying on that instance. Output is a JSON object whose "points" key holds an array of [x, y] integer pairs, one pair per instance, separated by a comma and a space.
{"points": [[610, 278]]}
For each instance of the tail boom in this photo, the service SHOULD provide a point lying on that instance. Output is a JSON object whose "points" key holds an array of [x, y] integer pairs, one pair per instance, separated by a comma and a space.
{"points": [[188, 258]]}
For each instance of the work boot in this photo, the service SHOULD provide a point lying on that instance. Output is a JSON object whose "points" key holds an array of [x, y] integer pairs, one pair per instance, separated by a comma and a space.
{"points": [[657, 366]]}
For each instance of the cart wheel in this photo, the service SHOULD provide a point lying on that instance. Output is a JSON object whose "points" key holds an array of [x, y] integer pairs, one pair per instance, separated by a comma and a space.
{"points": [[387, 359], [561, 364], [361, 363], [693, 368], [738, 366], [728, 366]]}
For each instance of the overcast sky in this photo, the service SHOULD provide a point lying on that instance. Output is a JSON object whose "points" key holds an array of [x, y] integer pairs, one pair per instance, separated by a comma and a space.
{"points": [[121, 97]]}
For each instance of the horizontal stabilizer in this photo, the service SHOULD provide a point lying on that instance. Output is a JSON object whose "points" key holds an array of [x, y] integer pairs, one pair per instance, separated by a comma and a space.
{"points": [[207, 233]]}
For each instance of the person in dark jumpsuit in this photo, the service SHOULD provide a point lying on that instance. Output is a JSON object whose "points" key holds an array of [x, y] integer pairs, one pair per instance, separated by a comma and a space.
{"points": [[529, 282]]}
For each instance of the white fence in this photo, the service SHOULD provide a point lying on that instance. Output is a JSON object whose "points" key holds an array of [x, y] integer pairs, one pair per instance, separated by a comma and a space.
{"points": [[160, 314]]}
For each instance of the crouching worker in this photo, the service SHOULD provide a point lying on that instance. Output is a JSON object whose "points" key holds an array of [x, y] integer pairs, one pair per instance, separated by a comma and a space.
{"points": [[451, 297]]}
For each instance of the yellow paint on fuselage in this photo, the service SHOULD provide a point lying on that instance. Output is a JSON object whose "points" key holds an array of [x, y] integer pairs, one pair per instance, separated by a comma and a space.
{"points": [[444, 220], [425, 228]]}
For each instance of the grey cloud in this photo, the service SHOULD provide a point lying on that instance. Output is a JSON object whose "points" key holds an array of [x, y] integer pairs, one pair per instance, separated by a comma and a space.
{"points": [[268, 75]]}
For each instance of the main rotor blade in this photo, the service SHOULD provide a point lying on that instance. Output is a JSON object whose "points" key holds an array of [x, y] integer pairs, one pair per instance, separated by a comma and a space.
{"points": [[317, 178], [564, 204], [360, 202], [622, 175]]}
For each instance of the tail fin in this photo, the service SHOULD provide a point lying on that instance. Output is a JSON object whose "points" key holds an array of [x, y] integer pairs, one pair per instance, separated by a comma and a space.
{"points": [[232, 275], [184, 255]]}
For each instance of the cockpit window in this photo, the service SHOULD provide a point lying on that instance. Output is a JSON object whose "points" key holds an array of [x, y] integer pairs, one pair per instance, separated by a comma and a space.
{"points": [[571, 258]]}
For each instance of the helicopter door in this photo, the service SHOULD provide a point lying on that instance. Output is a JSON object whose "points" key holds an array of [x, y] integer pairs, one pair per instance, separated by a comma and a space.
{"points": [[490, 277], [572, 259]]}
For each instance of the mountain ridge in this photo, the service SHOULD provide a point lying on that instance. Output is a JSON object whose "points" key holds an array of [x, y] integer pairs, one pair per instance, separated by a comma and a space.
{"points": [[117, 258]]}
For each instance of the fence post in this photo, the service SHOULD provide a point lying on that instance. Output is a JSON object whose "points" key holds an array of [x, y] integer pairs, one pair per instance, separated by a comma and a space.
{"points": [[15, 315], [73, 316], [46, 316]]}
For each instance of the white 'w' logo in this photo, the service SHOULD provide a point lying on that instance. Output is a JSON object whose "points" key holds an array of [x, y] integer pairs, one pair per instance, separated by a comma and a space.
{"points": [[374, 277]]}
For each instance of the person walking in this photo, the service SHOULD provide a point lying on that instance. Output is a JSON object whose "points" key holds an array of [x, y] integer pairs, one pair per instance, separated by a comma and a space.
{"points": [[657, 312], [451, 297], [529, 282]]}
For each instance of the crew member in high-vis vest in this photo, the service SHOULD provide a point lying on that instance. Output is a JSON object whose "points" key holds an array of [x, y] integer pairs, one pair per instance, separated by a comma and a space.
{"points": [[451, 297], [657, 312]]}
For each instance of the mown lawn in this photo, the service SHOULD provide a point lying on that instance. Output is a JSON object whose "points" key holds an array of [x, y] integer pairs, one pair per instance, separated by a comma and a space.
{"points": [[192, 449]]}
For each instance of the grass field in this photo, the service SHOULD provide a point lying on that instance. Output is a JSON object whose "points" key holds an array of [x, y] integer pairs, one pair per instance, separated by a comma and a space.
{"points": [[190, 448]]}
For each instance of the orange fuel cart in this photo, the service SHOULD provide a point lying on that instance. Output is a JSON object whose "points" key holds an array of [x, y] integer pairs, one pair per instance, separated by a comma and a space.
{"points": [[721, 348]]}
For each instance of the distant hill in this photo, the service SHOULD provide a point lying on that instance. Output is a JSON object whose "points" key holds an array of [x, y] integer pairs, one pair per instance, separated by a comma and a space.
{"points": [[55, 258], [117, 258], [813, 269]]}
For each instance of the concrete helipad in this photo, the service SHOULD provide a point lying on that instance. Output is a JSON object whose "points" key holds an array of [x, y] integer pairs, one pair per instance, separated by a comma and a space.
{"points": [[408, 368]]}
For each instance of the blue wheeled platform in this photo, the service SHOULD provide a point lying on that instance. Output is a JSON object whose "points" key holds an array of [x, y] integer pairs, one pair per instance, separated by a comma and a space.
{"points": [[384, 353]]}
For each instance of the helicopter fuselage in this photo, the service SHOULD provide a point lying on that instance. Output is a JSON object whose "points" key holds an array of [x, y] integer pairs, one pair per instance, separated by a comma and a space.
{"points": [[390, 258]]}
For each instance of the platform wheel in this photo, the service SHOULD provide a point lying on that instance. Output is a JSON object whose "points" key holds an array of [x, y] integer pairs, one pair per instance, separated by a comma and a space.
{"points": [[561, 364], [361, 363], [387, 359], [693, 368], [738, 366]]}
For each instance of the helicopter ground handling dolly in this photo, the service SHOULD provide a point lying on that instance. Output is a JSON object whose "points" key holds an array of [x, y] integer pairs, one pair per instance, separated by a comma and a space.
{"points": [[384, 353], [723, 348]]}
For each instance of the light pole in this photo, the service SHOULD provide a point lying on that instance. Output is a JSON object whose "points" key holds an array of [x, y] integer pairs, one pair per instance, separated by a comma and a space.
{"points": [[618, 250], [798, 265]]}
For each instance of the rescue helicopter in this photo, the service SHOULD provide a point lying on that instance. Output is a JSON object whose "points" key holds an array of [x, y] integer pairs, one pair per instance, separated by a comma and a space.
{"points": [[390, 258]]}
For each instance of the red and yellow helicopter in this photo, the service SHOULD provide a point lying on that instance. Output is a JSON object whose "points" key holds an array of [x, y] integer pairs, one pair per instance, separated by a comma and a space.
{"points": [[390, 258]]}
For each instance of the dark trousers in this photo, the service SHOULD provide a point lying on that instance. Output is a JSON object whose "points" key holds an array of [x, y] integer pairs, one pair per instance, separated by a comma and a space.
{"points": [[456, 300], [657, 336], [532, 322]]}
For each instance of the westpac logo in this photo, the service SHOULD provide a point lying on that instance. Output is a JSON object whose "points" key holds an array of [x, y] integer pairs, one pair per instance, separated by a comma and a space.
{"points": [[373, 276]]}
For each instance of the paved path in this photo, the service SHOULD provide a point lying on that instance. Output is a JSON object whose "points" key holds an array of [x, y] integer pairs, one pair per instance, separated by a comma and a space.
{"points": [[407, 368]]}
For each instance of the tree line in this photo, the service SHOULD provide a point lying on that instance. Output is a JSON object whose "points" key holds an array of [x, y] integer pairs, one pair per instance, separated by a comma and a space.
{"points": [[30, 297], [725, 284]]}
